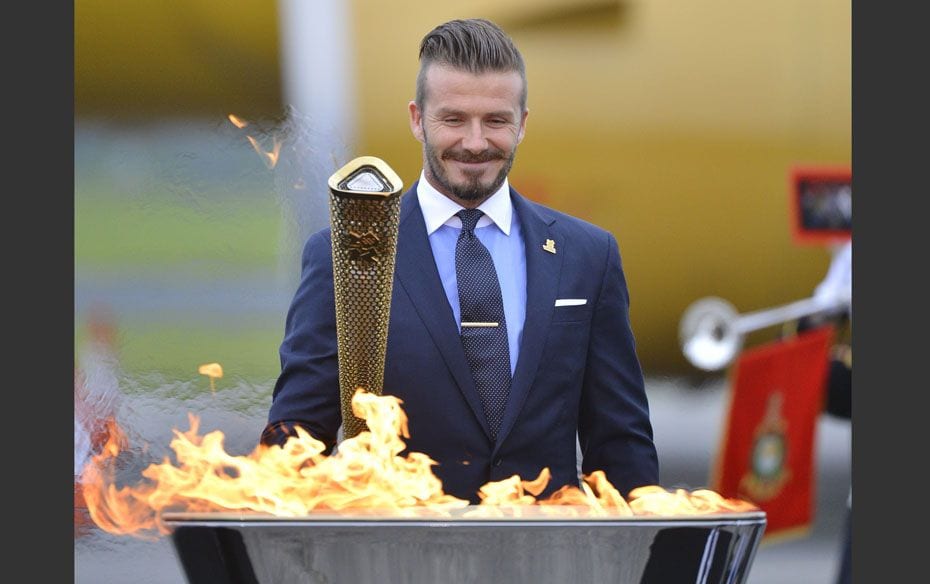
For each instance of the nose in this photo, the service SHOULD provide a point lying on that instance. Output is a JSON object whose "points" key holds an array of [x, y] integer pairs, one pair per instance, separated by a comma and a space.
{"points": [[474, 140]]}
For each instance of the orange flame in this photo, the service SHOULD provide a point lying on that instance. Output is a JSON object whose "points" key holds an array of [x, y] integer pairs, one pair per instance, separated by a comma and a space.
{"points": [[366, 474], [211, 370], [271, 157], [237, 121], [655, 500]]}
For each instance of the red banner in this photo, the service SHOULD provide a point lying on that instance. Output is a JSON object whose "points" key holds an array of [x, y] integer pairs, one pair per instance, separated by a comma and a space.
{"points": [[767, 452]]}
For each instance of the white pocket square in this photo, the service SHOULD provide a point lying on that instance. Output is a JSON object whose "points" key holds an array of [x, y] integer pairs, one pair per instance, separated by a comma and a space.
{"points": [[570, 301]]}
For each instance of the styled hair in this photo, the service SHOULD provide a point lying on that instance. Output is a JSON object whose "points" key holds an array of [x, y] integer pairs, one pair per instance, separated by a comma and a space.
{"points": [[475, 45]]}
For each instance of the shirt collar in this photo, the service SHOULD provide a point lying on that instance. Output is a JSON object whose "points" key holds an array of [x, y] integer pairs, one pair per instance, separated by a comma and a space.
{"points": [[439, 209]]}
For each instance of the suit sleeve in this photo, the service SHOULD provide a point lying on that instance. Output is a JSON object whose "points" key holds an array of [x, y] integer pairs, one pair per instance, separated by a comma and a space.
{"points": [[306, 393], [615, 432]]}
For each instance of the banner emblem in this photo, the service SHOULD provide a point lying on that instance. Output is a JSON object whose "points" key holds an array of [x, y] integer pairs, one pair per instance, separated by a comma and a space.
{"points": [[767, 472]]}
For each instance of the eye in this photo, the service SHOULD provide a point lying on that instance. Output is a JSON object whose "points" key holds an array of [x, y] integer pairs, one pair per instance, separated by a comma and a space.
{"points": [[452, 120], [497, 122]]}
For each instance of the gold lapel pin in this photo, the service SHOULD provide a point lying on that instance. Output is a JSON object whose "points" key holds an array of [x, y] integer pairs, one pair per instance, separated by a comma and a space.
{"points": [[549, 246]]}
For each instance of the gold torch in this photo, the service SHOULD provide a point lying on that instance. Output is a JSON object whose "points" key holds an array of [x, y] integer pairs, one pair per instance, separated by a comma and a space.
{"points": [[364, 213]]}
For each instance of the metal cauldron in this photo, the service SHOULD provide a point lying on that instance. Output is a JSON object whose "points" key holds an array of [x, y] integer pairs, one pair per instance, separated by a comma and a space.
{"points": [[219, 548]]}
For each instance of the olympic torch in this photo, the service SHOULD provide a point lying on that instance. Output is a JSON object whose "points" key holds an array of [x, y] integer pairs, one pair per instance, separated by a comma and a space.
{"points": [[364, 206]]}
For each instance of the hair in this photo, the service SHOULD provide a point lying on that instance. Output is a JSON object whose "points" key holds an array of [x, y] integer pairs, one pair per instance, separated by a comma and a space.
{"points": [[475, 45]]}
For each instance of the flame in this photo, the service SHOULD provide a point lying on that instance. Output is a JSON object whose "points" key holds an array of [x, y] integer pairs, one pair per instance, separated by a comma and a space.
{"points": [[655, 500], [108, 440], [271, 157], [365, 475], [514, 497], [237, 121], [211, 370]]}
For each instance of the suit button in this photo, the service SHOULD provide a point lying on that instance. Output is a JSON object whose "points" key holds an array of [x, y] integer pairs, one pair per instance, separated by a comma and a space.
{"points": [[498, 461]]}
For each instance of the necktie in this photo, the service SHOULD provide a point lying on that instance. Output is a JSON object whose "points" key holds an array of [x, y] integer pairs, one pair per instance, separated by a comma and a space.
{"points": [[484, 329]]}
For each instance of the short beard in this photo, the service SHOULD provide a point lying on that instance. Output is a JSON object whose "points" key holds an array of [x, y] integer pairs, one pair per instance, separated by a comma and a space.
{"points": [[473, 190]]}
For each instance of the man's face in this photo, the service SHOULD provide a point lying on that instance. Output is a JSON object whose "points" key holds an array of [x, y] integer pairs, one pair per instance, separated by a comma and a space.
{"points": [[470, 126]]}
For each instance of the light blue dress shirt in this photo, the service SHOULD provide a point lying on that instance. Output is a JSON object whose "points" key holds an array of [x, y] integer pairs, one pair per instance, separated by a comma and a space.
{"points": [[499, 230]]}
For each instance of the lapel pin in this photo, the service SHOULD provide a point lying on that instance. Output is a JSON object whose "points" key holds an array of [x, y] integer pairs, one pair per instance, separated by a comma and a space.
{"points": [[549, 246]]}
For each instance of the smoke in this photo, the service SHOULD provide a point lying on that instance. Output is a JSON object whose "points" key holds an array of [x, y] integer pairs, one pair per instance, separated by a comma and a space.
{"points": [[130, 182], [149, 407], [185, 173], [309, 156]]}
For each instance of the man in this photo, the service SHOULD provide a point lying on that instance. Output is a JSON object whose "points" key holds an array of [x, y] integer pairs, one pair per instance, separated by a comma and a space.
{"points": [[562, 336]]}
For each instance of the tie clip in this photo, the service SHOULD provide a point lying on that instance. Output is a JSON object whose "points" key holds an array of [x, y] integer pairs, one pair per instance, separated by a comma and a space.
{"points": [[480, 324]]}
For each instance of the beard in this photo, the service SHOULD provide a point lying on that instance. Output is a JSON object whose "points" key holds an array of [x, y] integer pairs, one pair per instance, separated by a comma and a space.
{"points": [[472, 189]]}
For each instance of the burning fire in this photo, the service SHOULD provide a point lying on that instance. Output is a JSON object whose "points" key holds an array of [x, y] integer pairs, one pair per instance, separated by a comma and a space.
{"points": [[269, 157], [213, 371], [366, 475], [237, 121]]}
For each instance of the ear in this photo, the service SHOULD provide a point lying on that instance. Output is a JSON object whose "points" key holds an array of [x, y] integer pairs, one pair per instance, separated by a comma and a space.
{"points": [[416, 120], [522, 130]]}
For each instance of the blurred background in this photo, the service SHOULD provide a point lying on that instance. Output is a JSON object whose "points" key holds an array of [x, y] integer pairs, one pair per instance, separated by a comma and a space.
{"points": [[672, 125], [205, 132]]}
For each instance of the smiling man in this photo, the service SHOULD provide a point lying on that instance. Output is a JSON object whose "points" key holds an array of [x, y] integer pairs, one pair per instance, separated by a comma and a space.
{"points": [[509, 339], [470, 130]]}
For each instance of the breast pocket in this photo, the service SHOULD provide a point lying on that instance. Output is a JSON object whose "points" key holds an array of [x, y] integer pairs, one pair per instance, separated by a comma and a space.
{"points": [[564, 314], [566, 348]]}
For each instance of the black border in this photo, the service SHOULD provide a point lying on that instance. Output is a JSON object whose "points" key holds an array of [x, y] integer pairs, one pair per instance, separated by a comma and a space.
{"points": [[38, 238], [890, 381]]}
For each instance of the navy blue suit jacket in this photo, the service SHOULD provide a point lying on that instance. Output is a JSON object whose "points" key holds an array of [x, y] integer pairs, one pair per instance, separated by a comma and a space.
{"points": [[577, 369]]}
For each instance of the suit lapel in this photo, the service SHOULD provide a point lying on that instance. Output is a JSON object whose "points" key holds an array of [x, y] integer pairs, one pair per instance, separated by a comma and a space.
{"points": [[415, 270], [542, 281]]}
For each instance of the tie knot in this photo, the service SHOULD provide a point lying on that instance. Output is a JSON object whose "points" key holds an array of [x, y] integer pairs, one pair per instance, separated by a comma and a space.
{"points": [[470, 218]]}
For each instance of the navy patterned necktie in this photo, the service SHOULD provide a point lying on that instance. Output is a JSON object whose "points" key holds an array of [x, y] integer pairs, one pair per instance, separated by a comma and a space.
{"points": [[484, 329]]}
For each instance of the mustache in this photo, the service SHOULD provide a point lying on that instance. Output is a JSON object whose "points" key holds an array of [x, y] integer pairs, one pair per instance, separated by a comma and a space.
{"points": [[465, 156]]}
